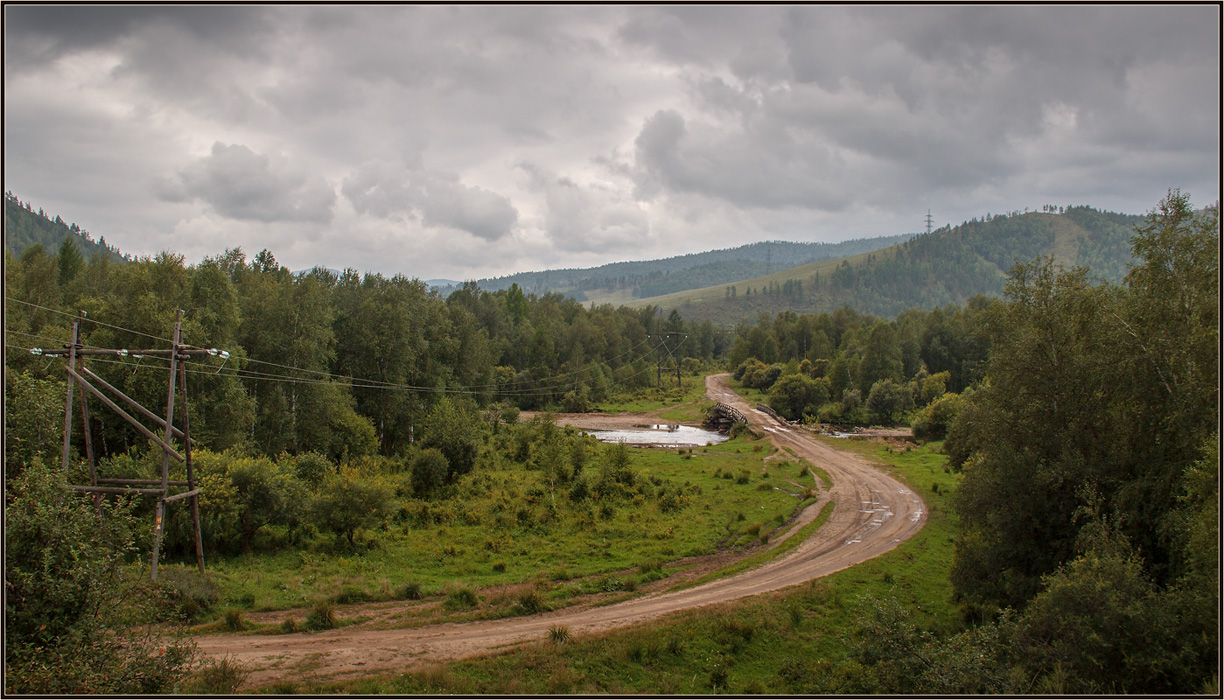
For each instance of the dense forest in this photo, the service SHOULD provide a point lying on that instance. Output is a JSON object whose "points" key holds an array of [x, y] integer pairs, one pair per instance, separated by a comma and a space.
{"points": [[1080, 415]]}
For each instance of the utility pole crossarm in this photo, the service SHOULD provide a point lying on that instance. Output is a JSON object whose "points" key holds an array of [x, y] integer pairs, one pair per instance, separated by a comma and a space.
{"points": [[98, 486]]}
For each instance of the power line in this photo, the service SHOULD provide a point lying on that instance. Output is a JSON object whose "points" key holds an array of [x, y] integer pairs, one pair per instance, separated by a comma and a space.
{"points": [[352, 382], [357, 382]]}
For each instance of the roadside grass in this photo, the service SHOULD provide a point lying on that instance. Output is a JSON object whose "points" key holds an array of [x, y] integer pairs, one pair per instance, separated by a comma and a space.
{"points": [[506, 527], [765, 644], [668, 396], [752, 396], [776, 643], [754, 560]]}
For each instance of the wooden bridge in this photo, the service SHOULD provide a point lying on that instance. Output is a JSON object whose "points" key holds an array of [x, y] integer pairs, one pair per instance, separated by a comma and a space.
{"points": [[721, 417]]}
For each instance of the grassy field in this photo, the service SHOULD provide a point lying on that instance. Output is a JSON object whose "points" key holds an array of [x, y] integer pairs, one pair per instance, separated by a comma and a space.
{"points": [[506, 526], [775, 643], [686, 403]]}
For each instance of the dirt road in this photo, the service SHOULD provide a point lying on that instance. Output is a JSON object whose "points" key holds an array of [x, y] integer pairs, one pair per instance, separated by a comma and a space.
{"points": [[872, 514]]}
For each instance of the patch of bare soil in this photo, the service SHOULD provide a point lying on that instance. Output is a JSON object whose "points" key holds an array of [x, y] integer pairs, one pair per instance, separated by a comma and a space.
{"points": [[872, 514]]}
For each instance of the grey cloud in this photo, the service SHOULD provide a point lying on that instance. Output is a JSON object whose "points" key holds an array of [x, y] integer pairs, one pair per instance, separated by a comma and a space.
{"points": [[592, 218], [437, 199], [707, 114], [759, 165], [240, 184], [484, 214], [698, 35], [38, 33]]}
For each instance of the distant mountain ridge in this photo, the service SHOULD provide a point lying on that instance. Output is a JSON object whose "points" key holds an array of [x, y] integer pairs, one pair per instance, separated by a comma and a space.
{"points": [[946, 266], [24, 227], [682, 272]]}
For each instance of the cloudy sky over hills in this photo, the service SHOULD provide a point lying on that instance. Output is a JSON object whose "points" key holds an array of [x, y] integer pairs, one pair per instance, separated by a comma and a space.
{"points": [[468, 141]]}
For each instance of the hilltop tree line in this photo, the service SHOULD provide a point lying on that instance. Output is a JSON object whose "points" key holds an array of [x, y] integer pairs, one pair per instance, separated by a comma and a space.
{"points": [[656, 277], [25, 226], [947, 266]]}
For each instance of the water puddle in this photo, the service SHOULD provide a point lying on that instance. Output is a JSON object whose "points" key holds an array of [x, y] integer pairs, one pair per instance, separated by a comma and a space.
{"points": [[660, 435]]}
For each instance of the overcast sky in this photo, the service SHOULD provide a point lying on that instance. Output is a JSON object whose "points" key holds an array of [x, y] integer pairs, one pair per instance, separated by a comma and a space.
{"points": [[469, 141]]}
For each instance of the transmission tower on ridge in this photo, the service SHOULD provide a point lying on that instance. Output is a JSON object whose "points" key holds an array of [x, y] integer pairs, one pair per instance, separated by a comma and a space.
{"points": [[928, 221]]}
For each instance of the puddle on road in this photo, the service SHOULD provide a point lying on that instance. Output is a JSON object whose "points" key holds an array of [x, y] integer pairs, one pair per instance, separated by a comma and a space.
{"points": [[660, 435]]}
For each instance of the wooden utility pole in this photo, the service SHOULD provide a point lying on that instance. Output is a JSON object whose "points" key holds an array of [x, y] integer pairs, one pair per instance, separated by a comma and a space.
{"points": [[664, 346], [78, 373]]}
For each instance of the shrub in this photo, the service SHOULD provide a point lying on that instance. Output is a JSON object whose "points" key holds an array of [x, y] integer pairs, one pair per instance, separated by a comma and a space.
{"points": [[347, 502], [410, 591], [350, 594], [739, 429], [462, 597], [312, 468], [187, 592], [218, 677], [234, 621], [933, 420], [429, 468], [531, 603], [559, 634], [322, 616], [68, 612]]}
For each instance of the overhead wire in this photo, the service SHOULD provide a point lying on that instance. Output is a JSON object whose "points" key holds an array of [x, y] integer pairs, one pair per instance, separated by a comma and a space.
{"points": [[355, 382], [364, 382]]}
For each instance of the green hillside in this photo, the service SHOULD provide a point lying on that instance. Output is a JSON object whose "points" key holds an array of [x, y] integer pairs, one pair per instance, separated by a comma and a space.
{"points": [[946, 266], [25, 227], [624, 281]]}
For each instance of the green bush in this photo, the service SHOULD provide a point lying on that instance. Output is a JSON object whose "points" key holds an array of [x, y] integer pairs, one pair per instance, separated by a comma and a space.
{"points": [[322, 616], [932, 421], [186, 592], [218, 677], [233, 621], [410, 591], [462, 597], [429, 468], [312, 468], [348, 501], [68, 609], [531, 603]]}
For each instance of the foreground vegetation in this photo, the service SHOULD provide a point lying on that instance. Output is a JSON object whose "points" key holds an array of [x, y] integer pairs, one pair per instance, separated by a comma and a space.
{"points": [[807, 639]]}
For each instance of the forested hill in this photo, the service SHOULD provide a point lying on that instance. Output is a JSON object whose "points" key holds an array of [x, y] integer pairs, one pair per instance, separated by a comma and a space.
{"points": [[629, 280], [25, 227], [946, 266]]}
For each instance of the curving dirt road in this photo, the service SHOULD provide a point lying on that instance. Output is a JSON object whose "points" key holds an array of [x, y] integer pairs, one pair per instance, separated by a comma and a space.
{"points": [[872, 514]]}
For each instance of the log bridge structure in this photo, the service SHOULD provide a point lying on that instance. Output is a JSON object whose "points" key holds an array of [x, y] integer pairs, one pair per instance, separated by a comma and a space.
{"points": [[722, 417]]}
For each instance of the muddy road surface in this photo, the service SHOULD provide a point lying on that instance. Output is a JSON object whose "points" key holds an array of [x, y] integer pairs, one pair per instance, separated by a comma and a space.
{"points": [[872, 514]]}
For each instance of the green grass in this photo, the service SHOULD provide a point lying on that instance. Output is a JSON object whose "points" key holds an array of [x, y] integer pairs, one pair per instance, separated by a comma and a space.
{"points": [[754, 560], [752, 396], [771, 643], [502, 528], [677, 400]]}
